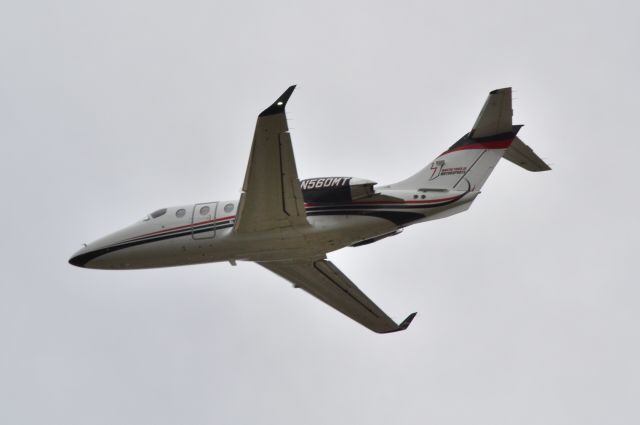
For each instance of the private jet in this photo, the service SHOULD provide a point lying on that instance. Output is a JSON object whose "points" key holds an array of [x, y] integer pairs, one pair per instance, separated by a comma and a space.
{"points": [[288, 226]]}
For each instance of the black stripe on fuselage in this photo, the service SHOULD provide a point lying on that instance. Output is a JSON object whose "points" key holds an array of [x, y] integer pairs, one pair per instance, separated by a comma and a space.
{"points": [[83, 259], [398, 206], [388, 212]]}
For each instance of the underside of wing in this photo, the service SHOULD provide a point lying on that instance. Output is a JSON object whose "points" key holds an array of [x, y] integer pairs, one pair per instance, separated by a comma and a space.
{"points": [[271, 195], [326, 282]]}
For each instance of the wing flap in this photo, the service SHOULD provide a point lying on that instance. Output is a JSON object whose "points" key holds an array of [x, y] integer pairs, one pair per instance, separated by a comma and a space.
{"points": [[326, 282], [293, 201]]}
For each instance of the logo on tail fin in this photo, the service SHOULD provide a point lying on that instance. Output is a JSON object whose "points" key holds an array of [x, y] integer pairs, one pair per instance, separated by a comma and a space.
{"points": [[436, 167], [437, 170]]}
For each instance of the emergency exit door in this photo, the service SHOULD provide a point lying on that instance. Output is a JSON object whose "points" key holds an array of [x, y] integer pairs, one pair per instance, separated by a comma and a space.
{"points": [[202, 222]]}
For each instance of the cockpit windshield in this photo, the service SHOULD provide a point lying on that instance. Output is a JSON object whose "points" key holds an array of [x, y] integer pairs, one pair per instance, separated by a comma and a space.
{"points": [[156, 214]]}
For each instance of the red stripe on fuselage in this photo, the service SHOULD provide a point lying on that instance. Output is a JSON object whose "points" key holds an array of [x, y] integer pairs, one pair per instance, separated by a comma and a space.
{"points": [[492, 144], [160, 232]]}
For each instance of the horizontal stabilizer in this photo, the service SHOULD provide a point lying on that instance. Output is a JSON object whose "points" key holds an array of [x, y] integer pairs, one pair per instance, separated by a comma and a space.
{"points": [[522, 155]]}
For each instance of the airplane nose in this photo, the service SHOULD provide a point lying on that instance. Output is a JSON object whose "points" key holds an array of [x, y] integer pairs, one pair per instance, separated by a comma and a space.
{"points": [[77, 261], [99, 254], [80, 258]]}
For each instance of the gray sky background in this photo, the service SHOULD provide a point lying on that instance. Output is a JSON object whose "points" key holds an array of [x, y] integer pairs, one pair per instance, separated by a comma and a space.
{"points": [[528, 303]]}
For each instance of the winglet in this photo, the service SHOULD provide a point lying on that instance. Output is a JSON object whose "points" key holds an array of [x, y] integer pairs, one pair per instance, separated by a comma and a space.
{"points": [[278, 105], [405, 323]]}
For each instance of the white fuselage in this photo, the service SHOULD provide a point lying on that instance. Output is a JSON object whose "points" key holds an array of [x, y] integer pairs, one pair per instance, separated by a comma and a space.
{"points": [[204, 232]]}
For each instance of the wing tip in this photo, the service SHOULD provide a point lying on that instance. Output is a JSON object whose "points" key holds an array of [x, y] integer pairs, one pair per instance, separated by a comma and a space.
{"points": [[402, 326], [278, 106], [406, 322], [503, 89]]}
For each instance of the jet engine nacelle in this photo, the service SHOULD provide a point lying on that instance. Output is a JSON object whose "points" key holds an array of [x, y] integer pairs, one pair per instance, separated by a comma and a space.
{"points": [[336, 189]]}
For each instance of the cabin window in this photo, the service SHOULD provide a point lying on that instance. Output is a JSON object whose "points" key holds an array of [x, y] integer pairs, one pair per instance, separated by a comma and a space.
{"points": [[181, 212], [158, 213], [204, 210], [228, 208]]}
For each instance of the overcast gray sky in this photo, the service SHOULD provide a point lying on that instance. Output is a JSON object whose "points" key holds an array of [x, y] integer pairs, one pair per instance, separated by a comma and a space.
{"points": [[528, 304]]}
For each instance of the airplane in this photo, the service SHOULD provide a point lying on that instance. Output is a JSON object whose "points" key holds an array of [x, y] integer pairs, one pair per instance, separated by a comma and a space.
{"points": [[288, 226]]}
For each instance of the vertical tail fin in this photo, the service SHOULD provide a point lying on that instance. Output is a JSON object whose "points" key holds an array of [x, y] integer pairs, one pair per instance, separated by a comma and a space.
{"points": [[495, 116], [467, 164]]}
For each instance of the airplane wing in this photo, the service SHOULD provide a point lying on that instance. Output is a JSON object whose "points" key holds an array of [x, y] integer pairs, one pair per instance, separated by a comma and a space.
{"points": [[271, 195], [326, 282]]}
